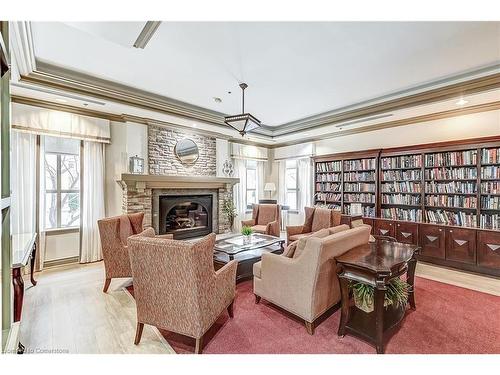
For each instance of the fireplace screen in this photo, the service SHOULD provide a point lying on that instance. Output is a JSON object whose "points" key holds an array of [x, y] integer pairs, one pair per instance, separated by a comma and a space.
{"points": [[186, 216]]}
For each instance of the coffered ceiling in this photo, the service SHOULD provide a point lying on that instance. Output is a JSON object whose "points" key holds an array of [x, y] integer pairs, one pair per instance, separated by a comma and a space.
{"points": [[301, 76], [294, 70]]}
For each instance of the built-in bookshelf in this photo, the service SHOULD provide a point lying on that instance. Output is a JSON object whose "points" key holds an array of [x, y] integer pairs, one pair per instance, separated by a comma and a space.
{"points": [[343, 184], [452, 183], [401, 187], [489, 201], [451, 188]]}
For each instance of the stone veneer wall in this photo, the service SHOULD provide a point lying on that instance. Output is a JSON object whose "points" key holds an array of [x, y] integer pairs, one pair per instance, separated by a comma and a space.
{"points": [[161, 154], [162, 161]]}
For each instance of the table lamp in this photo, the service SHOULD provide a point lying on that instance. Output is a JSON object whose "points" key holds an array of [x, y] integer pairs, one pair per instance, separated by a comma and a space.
{"points": [[270, 187]]}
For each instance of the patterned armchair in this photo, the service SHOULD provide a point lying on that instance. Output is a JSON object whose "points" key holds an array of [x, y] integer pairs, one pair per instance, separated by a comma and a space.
{"points": [[176, 287], [315, 219], [114, 232], [265, 219]]}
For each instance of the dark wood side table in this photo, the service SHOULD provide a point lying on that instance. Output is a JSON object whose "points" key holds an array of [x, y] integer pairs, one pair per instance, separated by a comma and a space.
{"points": [[375, 264], [23, 250]]}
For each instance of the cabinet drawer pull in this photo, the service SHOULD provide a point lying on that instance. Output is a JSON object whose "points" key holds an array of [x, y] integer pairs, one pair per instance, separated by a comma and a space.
{"points": [[440, 230], [460, 242], [493, 246], [406, 234], [451, 231], [431, 238]]}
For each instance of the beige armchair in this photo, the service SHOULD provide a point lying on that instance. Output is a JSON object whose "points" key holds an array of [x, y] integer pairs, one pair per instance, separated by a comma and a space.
{"points": [[265, 219], [315, 219], [176, 287], [305, 283], [114, 232]]}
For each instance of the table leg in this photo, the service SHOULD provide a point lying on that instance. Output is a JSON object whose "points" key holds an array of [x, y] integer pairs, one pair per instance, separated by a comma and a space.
{"points": [[344, 317], [231, 257], [18, 283], [32, 264], [379, 317], [410, 279]]}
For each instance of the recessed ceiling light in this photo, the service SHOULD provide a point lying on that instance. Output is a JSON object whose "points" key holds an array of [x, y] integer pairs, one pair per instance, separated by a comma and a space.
{"points": [[217, 99], [61, 100], [462, 101]]}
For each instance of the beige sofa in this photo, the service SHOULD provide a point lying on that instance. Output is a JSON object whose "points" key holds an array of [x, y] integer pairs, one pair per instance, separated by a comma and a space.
{"points": [[304, 281]]}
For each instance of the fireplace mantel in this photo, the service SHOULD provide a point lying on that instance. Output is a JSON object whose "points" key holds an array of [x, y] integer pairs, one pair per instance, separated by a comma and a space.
{"points": [[148, 181]]}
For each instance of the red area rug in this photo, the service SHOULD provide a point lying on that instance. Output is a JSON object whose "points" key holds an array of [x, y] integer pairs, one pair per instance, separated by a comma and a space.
{"points": [[448, 319]]}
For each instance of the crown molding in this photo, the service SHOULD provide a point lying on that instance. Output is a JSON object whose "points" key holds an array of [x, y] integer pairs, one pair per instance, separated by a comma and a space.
{"points": [[22, 46]]}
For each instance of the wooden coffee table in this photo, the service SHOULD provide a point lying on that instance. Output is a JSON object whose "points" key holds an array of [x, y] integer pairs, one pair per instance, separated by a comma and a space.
{"points": [[246, 253], [375, 264]]}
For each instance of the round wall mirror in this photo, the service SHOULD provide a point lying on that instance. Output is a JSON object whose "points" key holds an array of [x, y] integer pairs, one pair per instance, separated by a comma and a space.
{"points": [[187, 151]]}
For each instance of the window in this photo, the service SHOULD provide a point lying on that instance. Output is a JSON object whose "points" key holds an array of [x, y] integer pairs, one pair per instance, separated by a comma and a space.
{"points": [[251, 188], [62, 183], [291, 187]]}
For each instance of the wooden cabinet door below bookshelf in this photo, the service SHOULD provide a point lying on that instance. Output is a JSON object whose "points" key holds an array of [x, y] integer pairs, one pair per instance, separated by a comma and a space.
{"points": [[488, 249], [432, 240], [461, 245], [407, 233], [384, 228]]}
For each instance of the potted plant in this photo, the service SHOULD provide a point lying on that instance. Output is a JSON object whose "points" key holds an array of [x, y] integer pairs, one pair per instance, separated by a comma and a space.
{"points": [[396, 294], [247, 233], [229, 210]]}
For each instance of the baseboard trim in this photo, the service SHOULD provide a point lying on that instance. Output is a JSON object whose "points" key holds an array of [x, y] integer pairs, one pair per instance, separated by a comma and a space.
{"points": [[60, 262]]}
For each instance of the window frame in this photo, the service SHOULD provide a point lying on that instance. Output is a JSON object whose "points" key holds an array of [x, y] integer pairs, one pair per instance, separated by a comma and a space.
{"points": [[296, 189], [59, 191], [247, 189]]}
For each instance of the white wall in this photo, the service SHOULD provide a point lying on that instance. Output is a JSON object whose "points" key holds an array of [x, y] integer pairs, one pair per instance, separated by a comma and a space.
{"points": [[222, 152], [115, 164], [454, 128]]}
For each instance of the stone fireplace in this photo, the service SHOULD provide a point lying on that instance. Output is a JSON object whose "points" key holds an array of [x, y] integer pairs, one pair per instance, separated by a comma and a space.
{"points": [[186, 206]]}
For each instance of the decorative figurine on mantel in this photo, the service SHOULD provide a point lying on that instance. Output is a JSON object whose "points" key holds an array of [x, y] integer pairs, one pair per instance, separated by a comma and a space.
{"points": [[228, 169], [136, 165]]}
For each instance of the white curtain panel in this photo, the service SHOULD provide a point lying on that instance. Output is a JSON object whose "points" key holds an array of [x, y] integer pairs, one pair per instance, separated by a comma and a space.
{"points": [[305, 182], [239, 192], [260, 180], [281, 182], [92, 201], [23, 182], [41, 207]]}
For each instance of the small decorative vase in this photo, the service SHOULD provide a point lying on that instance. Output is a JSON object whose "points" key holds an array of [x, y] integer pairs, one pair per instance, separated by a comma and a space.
{"points": [[247, 239], [363, 304]]}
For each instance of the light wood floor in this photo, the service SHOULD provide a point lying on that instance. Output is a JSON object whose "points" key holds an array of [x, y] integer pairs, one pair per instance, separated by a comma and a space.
{"points": [[67, 310]]}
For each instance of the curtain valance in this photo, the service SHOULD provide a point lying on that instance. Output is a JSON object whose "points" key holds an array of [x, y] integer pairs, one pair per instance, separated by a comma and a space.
{"points": [[60, 124], [241, 151]]}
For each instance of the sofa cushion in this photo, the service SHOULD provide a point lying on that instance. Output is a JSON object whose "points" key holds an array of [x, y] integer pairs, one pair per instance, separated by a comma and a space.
{"points": [[297, 237], [338, 228], [267, 214], [259, 228], [302, 243], [322, 219], [290, 250], [257, 269]]}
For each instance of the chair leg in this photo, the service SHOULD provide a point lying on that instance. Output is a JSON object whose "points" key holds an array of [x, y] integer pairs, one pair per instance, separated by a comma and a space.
{"points": [[106, 285], [310, 327], [230, 309], [138, 333], [257, 298], [199, 345]]}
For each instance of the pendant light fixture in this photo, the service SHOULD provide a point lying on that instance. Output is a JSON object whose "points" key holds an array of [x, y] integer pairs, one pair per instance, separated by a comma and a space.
{"points": [[243, 122]]}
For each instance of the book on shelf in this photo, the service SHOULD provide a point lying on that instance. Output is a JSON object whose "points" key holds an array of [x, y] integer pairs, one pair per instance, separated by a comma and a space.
{"points": [[490, 172], [452, 158], [460, 173], [329, 166], [359, 164], [490, 155], [327, 186], [451, 201], [400, 162], [328, 197], [367, 211], [360, 197], [490, 221], [490, 202], [402, 175], [462, 219], [328, 177], [359, 186], [395, 213], [401, 187], [452, 187], [359, 176], [490, 187], [407, 199]]}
